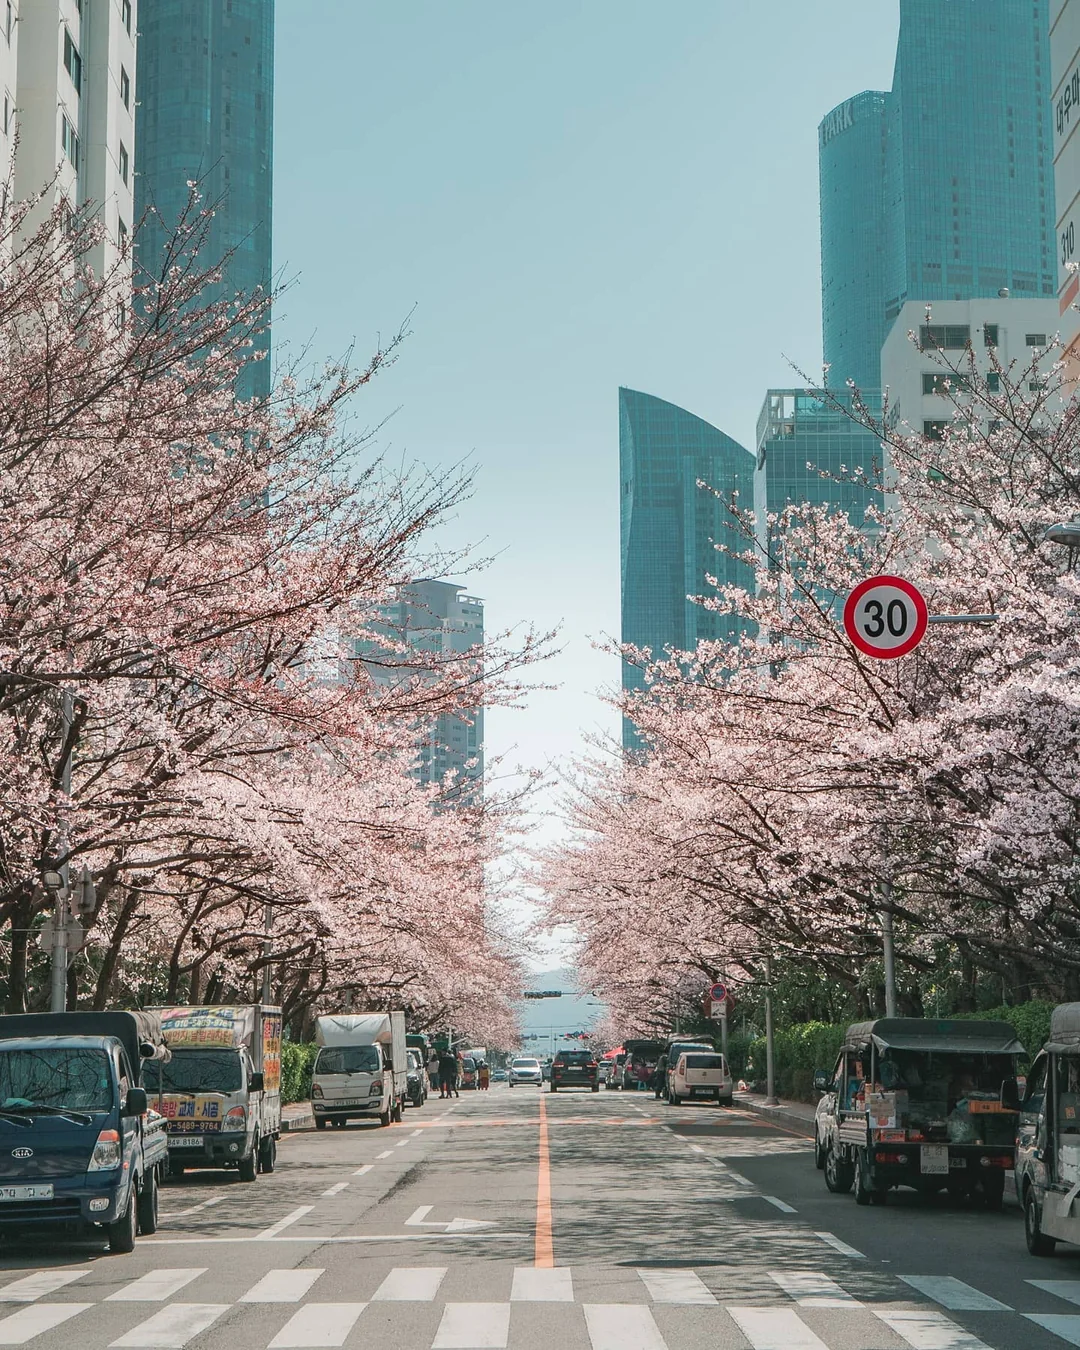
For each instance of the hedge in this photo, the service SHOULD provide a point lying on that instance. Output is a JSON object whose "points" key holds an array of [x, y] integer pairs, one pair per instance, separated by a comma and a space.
{"points": [[297, 1061], [799, 1050]]}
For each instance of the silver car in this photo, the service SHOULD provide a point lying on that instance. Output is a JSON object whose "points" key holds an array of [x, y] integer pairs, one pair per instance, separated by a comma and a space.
{"points": [[526, 1071]]}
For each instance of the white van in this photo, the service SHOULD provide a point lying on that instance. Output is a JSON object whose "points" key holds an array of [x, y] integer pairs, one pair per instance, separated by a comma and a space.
{"points": [[700, 1073]]}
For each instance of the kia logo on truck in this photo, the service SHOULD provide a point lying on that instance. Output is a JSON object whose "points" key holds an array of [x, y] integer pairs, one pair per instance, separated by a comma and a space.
{"points": [[22, 1152]]}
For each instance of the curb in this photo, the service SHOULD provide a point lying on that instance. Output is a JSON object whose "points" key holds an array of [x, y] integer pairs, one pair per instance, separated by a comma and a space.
{"points": [[298, 1120], [784, 1113]]}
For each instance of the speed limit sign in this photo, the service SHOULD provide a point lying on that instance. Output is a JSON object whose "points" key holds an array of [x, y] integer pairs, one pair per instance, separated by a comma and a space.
{"points": [[886, 617]]}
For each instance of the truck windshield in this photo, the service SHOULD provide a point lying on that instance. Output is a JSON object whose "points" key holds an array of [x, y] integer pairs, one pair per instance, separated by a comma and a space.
{"points": [[196, 1071], [75, 1080], [348, 1059]]}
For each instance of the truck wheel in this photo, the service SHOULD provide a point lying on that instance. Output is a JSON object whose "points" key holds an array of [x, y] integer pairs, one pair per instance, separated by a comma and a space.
{"points": [[839, 1173], [865, 1194], [819, 1151], [249, 1167], [596, 1087], [993, 1191], [673, 1098], [1038, 1244], [176, 1168], [148, 1204], [268, 1154], [122, 1232], [320, 1122]]}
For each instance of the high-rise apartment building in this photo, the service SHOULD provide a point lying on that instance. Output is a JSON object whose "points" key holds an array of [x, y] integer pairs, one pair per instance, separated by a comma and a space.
{"points": [[67, 78], [1065, 121], [206, 75], [671, 528], [941, 189]]}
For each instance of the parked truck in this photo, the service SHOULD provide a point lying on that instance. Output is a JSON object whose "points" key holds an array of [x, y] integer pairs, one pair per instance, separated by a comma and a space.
{"points": [[361, 1069], [79, 1148], [221, 1090], [1048, 1137]]}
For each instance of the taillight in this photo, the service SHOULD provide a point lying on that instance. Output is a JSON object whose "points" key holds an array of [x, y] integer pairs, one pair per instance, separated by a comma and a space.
{"points": [[106, 1154], [890, 1157], [1006, 1163], [235, 1119]]}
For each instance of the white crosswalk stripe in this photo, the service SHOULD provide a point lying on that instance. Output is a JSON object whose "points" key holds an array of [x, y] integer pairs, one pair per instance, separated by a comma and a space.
{"points": [[418, 1284], [38, 1284], [676, 1286], [930, 1331], [1069, 1290], [24, 1325], [1066, 1325], [539, 1285], [622, 1326], [281, 1286], [318, 1325], [775, 1329], [473, 1326], [156, 1286], [173, 1327], [812, 1290], [954, 1294]]}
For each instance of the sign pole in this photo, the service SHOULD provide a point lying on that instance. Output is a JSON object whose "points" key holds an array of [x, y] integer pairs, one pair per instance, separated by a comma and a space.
{"points": [[771, 1098]]}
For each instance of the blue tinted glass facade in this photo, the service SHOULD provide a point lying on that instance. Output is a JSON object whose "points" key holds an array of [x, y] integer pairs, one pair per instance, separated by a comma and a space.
{"points": [[205, 78], [668, 524], [950, 175]]}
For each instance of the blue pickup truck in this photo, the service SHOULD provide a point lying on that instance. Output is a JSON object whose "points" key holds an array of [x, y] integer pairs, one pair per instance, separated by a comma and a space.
{"points": [[80, 1148]]}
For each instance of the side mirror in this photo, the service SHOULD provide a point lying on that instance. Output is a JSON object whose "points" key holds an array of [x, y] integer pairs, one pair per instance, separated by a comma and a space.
{"points": [[1010, 1095], [255, 1082], [821, 1081], [136, 1103]]}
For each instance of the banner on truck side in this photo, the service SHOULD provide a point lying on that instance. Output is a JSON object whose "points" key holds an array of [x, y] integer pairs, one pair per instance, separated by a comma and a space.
{"points": [[229, 1027]]}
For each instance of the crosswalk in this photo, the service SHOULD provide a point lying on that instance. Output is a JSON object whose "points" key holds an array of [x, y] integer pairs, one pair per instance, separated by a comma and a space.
{"points": [[648, 1308]]}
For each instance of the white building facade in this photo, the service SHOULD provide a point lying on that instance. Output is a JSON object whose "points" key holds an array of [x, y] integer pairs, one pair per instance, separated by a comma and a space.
{"points": [[991, 341], [69, 70], [1065, 83]]}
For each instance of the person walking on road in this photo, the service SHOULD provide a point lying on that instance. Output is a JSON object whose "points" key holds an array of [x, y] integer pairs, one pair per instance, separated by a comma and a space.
{"points": [[447, 1073], [483, 1074]]}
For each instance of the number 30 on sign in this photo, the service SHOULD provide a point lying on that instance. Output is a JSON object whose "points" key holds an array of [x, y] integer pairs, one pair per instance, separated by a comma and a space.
{"points": [[886, 617]]}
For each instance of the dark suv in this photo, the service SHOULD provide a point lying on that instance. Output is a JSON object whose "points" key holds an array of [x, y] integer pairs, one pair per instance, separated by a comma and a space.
{"points": [[575, 1068]]}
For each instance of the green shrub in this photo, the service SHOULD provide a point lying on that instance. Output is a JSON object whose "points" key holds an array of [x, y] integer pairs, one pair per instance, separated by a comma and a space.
{"points": [[297, 1061]]}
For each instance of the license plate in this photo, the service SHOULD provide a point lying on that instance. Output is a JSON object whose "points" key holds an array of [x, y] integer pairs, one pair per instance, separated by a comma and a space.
{"points": [[347, 1101], [185, 1141], [934, 1159], [26, 1192]]}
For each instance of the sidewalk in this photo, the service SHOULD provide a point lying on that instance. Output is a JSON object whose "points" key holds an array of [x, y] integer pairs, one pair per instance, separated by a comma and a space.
{"points": [[797, 1115], [297, 1116]]}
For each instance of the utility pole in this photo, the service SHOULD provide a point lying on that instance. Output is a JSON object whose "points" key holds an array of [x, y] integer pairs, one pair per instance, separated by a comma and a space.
{"points": [[888, 949], [771, 1098], [268, 929], [61, 893]]}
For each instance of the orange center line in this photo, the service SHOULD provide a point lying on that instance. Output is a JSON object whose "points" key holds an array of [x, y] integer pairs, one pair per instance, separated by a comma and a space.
{"points": [[545, 1251]]}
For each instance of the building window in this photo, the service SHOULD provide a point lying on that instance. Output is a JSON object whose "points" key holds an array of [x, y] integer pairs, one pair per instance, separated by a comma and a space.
{"points": [[125, 87], [7, 114], [69, 141], [121, 234], [1035, 340], [993, 382], [934, 430], [944, 337], [123, 163], [990, 334], [125, 10], [935, 383], [72, 61], [8, 21]]}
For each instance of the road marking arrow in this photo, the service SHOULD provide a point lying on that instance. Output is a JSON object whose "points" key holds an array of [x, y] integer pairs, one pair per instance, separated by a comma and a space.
{"points": [[419, 1219]]}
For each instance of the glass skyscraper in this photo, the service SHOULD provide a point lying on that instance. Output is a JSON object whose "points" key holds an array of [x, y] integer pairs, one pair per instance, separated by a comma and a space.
{"points": [[943, 188], [205, 76], [669, 525]]}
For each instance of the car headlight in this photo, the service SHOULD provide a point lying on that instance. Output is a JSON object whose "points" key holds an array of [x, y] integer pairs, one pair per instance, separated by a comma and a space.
{"points": [[316, 1093], [375, 1090], [235, 1119], [106, 1154]]}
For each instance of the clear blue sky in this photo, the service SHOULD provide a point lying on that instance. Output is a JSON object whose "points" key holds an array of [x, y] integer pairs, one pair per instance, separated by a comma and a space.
{"points": [[574, 195]]}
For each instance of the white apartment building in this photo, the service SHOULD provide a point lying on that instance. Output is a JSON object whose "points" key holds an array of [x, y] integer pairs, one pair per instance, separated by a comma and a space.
{"points": [[71, 64], [1002, 335], [1065, 114], [9, 39]]}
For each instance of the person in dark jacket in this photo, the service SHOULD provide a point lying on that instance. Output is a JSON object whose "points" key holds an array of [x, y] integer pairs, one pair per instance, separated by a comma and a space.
{"points": [[448, 1069]]}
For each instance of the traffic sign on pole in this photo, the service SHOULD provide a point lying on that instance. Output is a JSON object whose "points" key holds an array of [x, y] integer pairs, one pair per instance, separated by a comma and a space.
{"points": [[718, 993], [886, 617]]}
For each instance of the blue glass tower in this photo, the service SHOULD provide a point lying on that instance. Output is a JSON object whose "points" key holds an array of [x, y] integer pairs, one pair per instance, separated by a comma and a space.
{"points": [[943, 188], [205, 77], [669, 526]]}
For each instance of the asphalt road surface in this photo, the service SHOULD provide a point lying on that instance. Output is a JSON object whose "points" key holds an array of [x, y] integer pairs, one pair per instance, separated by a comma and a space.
{"points": [[577, 1221]]}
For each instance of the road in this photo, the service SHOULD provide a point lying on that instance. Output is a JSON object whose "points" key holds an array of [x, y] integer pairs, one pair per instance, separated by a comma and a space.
{"points": [[576, 1221]]}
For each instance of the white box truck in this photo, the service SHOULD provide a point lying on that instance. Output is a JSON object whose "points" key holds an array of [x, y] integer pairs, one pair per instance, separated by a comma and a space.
{"points": [[361, 1069], [221, 1090]]}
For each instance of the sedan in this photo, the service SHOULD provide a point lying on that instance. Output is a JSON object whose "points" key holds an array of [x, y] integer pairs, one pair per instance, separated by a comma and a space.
{"points": [[526, 1071]]}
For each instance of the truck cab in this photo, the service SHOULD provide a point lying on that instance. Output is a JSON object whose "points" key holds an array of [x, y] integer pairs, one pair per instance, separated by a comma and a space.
{"points": [[1048, 1138], [79, 1148], [361, 1070]]}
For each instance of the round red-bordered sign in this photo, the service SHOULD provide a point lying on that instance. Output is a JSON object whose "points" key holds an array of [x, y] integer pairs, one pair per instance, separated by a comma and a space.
{"points": [[886, 617]]}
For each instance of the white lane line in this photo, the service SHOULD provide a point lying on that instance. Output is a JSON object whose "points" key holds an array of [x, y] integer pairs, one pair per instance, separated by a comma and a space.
{"points": [[696, 1148], [675, 1286], [812, 1290], [320, 1239], [410, 1284], [622, 1326], [954, 1294], [173, 1326], [930, 1331], [775, 1329], [838, 1245], [23, 1325], [739, 1178], [318, 1324], [156, 1286], [384, 1154], [194, 1209], [41, 1282], [780, 1204], [360, 1171], [418, 1216], [336, 1190], [473, 1326], [1069, 1290], [534, 1284], [401, 1143], [282, 1286], [416, 1134], [1067, 1326], [284, 1223]]}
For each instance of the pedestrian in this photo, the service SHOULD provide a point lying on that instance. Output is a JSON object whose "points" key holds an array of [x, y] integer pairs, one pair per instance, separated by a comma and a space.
{"points": [[447, 1073], [458, 1067], [484, 1075]]}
